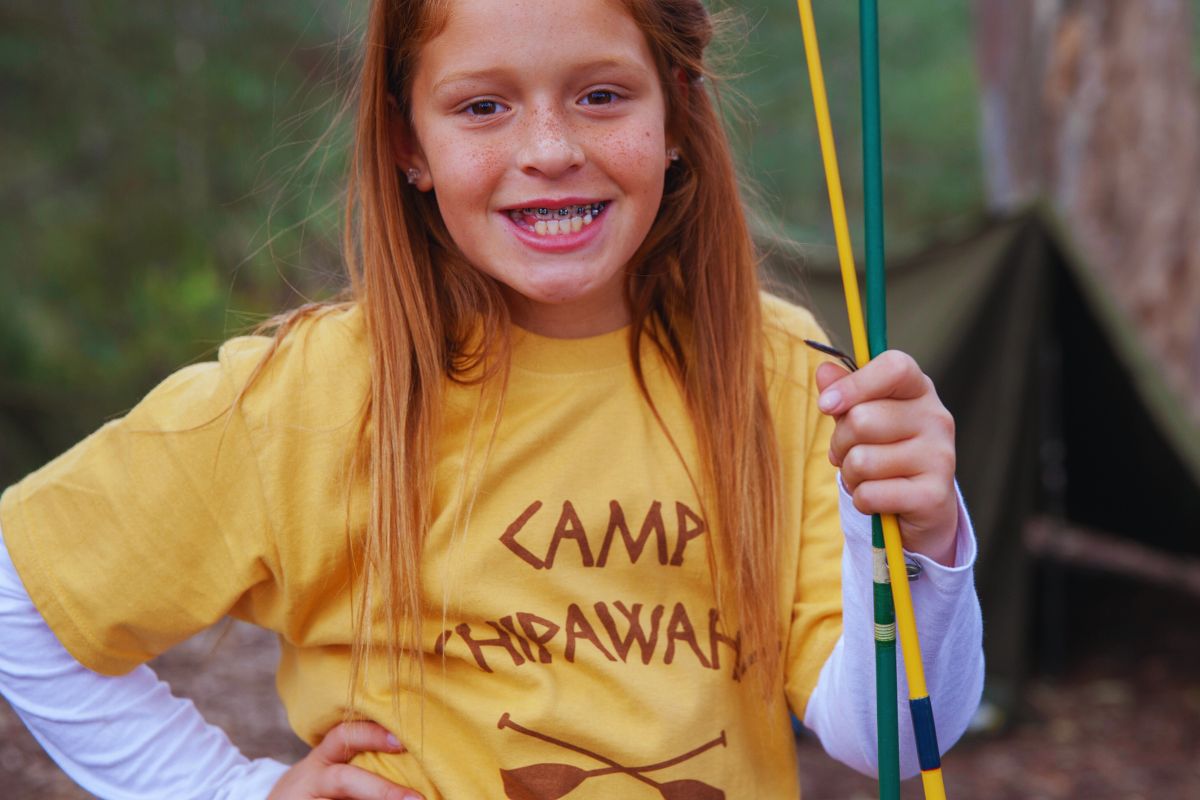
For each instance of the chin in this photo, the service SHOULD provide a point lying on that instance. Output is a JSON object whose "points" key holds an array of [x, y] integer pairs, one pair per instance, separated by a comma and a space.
{"points": [[559, 290]]}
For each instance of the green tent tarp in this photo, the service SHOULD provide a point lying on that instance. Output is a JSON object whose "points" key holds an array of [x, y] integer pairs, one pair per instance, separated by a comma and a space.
{"points": [[1060, 410]]}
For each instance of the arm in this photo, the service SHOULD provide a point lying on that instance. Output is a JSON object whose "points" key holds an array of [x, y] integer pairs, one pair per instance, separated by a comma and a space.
{"points": [[147, 531], [129, 738], [893, 441], [124, 737], [841, 710]]}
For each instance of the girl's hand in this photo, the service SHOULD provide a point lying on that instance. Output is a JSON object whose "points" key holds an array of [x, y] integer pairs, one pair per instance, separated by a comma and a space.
{"points": [[894, 443], [326, 773]]}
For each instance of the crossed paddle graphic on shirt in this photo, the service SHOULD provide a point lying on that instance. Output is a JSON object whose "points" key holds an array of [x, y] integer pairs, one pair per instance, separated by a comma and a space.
{"points": [[550, 781]]}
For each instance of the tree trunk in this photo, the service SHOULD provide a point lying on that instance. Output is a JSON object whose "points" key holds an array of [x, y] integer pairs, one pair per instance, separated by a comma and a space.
{"points": [[1093, 104]]}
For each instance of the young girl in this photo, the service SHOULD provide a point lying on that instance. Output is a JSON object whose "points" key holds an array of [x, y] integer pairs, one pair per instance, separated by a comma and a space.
{"points": [[553, 499]]}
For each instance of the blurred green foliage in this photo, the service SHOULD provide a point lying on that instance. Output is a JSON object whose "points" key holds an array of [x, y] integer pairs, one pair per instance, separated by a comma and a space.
{"points": [[933, 175], [159, 194], [156, 197]]}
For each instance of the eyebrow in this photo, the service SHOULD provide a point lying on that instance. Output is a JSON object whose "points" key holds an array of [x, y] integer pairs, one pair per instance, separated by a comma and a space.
{"points": [[492, 74]]}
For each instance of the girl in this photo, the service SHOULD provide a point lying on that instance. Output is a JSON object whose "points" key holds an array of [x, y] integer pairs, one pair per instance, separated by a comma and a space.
{"points": [[552, 499]]}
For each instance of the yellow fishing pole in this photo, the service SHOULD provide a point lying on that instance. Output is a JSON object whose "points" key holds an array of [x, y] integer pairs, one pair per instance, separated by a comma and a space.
{"points": [[919, 703], [887, 745]]}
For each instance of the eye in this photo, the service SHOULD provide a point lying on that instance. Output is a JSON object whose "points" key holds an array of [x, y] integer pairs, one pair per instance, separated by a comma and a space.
{"points": [[483, 108], [599, 97]]}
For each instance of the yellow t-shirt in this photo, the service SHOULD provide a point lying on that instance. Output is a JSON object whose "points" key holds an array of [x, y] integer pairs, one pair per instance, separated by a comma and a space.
{"points": [[571, 647]]}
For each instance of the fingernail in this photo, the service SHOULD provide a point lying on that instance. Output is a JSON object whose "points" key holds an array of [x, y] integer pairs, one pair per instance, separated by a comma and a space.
{"points": [[829, 400], [411, 796], [393, 742]]}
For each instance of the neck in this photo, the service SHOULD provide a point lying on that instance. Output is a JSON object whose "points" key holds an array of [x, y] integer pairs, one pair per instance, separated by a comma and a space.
{"points": [[567, 321]]}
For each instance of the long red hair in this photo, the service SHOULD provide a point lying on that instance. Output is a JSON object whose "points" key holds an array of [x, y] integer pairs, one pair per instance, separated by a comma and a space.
{"points": [[692, 289]]}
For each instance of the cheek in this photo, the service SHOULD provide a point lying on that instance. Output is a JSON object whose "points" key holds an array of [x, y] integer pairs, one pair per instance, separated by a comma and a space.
{"points": [[465, 171], [483, 161], [638, 154]]}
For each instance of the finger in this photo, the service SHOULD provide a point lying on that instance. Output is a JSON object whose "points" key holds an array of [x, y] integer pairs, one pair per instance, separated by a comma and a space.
{"points": [[880, 462], [346, 740], [828, 373], [877, 422], [914, 498], [890, 375], [346, 782]]}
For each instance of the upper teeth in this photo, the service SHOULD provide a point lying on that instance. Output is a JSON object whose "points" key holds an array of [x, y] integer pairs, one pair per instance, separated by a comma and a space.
{"points": [[564, 219], [563, 211]]}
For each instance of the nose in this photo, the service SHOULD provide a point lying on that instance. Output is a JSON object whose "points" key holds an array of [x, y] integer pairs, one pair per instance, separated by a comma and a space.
{"points": [[550, 146]]}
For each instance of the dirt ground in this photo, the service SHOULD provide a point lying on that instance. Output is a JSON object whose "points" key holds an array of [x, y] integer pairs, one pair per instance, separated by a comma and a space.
{"points": [[1120, 722]]}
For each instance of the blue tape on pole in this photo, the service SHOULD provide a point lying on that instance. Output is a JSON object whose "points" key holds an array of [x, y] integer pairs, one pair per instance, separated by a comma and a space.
{"points": [[927, 747]]}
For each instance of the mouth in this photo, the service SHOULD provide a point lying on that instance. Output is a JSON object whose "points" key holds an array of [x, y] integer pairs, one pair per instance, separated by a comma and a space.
{"points": [[557, 220]]}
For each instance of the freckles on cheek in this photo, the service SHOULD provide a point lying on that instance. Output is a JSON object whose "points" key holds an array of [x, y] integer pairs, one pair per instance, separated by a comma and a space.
{"points": [[637, 149], [467, 164], [485, 160]]}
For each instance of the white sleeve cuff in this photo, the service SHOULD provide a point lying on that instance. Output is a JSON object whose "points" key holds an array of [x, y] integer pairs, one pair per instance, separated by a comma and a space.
{"points": [[857, 528]]}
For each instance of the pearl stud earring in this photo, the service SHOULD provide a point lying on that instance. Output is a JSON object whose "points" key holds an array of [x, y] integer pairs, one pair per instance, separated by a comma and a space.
{"points": [[673, 153]]}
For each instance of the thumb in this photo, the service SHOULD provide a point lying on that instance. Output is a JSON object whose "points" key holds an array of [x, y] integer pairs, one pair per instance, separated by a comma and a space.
{"points": [[829, 373], [348, 739]]}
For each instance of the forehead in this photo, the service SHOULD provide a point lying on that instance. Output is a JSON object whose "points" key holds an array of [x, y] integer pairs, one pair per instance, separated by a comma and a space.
{"points": [[539, 36]]}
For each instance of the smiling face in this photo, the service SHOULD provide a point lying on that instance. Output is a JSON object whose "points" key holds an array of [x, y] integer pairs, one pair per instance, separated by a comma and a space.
{"points": [[541, 130]]}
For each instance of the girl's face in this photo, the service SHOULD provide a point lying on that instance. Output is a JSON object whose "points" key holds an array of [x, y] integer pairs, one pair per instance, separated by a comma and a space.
{"points": [[541, 129]]}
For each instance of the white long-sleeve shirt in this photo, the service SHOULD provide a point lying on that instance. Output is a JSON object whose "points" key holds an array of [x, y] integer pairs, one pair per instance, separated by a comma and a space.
{"points": [[129, 738]]}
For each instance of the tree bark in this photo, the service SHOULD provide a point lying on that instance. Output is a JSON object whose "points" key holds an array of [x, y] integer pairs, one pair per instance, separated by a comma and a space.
{"points": [[1094, 105]]}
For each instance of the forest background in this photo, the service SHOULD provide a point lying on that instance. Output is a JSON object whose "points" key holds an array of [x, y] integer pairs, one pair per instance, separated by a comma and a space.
{"points": [[159, 193], [170, 175]]}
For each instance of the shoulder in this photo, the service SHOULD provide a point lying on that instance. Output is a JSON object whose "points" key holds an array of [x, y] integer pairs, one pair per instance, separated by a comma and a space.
{"points": [[315, 341], [785, 319], [785, 326], [314, 374]]}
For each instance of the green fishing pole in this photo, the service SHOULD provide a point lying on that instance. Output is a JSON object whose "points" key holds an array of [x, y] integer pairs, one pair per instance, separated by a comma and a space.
{"points": [[885, 530], [886, 701]]}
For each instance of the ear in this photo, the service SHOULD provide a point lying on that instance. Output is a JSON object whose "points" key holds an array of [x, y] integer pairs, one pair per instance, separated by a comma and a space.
{"points": [[683, 83], [406, 150], [681, 77]]}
